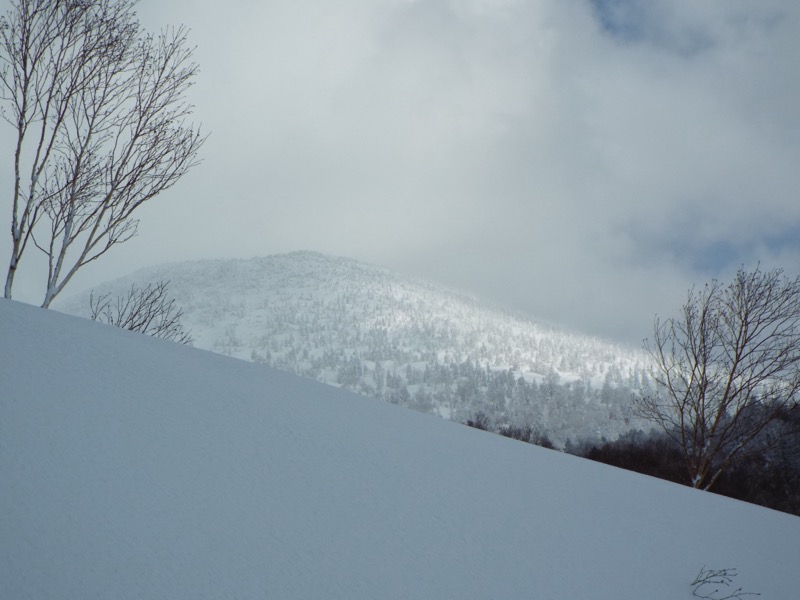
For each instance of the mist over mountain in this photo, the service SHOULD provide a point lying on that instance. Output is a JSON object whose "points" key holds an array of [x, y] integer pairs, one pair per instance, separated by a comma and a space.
{"points": [[370, 330]]}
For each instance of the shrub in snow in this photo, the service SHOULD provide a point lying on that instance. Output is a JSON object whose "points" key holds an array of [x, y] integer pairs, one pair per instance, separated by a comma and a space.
{"points": [[147, 310], [708, 581]]}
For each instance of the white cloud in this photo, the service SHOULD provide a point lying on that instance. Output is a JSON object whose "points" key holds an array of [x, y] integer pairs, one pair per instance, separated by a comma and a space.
{"points": [[519, 149]]}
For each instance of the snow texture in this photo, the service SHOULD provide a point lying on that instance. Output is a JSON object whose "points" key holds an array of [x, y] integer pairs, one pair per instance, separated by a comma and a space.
{"points": [[136, 468]]}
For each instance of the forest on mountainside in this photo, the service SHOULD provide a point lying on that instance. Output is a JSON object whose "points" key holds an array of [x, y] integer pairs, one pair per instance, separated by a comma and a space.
{"points": [[461, 391]]}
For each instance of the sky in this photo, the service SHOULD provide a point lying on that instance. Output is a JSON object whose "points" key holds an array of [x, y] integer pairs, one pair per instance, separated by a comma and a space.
{"points": [[582, 161]]}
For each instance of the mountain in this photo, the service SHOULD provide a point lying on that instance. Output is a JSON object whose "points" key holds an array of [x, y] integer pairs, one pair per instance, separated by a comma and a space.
{"points": [[370, 330], [134, 468]]}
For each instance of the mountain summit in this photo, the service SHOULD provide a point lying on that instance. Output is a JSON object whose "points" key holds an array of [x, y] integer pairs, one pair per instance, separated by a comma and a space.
{"points": [[408, 342]]}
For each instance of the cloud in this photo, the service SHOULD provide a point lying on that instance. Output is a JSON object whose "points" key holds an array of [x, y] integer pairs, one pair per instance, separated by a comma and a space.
{"points": [[584, 161]]}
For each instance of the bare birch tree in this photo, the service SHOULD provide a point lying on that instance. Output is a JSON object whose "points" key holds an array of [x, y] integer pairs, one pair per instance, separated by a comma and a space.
{"points": [[728, 367], [148, 310], [101, 126]]}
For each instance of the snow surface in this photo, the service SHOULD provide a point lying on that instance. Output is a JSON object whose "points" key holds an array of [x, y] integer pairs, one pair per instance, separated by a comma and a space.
{"points": [[136, 468]]}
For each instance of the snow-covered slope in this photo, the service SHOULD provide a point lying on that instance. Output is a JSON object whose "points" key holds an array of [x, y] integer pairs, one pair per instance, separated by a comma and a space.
{"points": [[134, 468], [408, 342]]}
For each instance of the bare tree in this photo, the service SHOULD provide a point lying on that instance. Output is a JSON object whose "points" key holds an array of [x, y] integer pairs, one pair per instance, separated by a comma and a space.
{"points": [[101, 126], [147, 310], [727, 369]]}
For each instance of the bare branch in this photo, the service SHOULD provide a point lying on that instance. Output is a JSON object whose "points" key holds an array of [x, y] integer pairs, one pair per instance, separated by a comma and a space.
{"points": [[726, 369], [102, 126], [708, 585], [147, 310]]}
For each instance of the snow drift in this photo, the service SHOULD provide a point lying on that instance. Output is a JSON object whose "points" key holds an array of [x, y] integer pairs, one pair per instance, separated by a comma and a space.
{"points": [[137, 468]]}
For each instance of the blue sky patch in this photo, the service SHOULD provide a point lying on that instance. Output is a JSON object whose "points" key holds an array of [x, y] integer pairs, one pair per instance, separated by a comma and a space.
{"points": [[635, 21], [622, 19]]}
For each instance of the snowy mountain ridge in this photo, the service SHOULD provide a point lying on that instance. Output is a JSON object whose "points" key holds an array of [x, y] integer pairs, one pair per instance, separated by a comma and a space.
{"points": [[370, 330]]}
